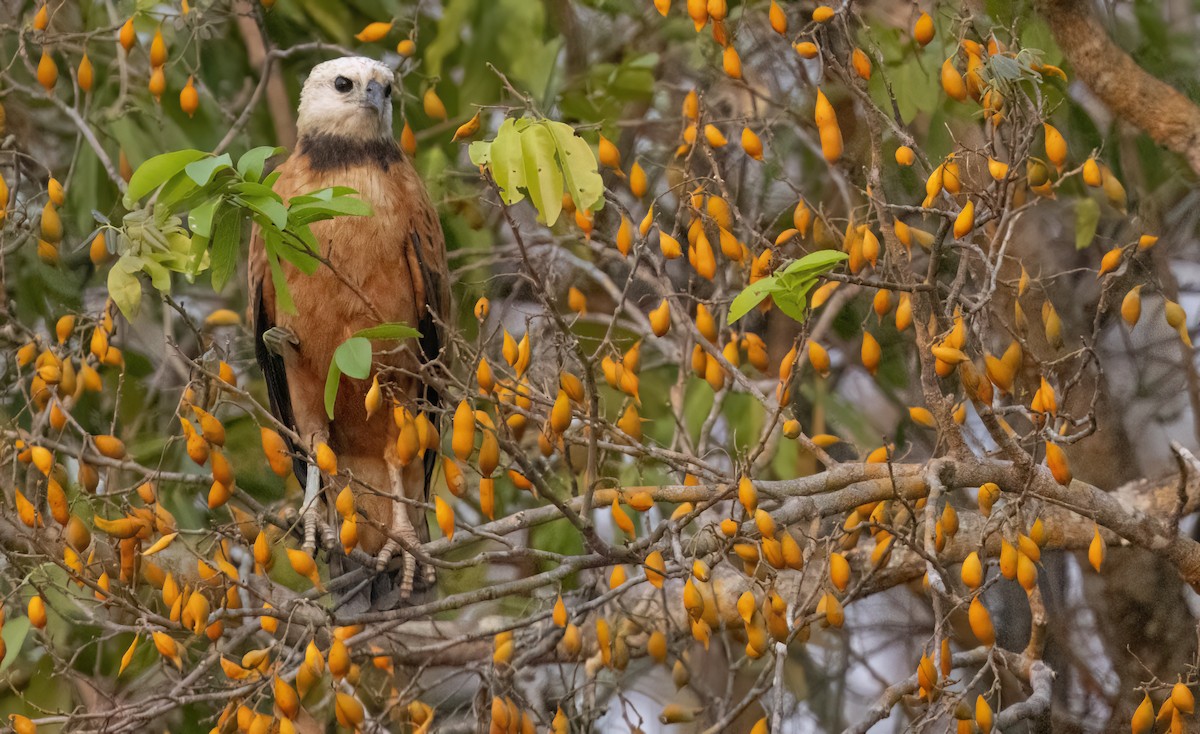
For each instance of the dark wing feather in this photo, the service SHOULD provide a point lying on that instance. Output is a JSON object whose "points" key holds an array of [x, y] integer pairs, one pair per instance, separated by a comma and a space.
{"points": [[437, 299], [275, 372]]}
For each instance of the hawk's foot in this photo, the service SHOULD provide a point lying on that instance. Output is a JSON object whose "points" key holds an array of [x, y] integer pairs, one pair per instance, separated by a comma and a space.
{"points": [[278, 339]]}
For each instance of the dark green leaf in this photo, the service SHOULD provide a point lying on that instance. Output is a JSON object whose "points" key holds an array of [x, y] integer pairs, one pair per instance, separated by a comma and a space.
{"points": [[292, 248], [313, 211], [226, 245], [250, 188], [389, 331], [332, 380], [251, 164], [283, 294]]}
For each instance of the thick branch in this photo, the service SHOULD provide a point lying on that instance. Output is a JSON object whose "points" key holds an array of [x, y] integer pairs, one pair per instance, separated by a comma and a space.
{"points": [[1132, 94]]}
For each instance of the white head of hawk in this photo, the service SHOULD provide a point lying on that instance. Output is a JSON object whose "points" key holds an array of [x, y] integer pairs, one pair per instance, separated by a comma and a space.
{"points": [[350, 97]]}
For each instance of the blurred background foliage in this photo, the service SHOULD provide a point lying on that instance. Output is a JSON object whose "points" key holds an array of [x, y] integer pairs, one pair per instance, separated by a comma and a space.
{"points": [[605, 66]]}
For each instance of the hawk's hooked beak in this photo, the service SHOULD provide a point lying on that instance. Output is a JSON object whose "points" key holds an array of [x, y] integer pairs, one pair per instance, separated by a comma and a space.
{"points": [[374, 96]]}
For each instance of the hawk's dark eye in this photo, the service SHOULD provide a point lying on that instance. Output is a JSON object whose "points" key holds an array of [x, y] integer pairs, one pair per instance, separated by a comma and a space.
{"points": [[342, 84]]}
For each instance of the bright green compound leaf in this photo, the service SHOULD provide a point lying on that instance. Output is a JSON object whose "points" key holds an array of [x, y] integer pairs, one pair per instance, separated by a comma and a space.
{"points": [[541, 159], [156, 171], [789, 286]]}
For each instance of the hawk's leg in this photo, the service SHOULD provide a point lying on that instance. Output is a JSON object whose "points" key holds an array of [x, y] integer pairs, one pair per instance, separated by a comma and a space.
{"points": [[310, 511], [280, 340], [401, 527], [310, 514]]}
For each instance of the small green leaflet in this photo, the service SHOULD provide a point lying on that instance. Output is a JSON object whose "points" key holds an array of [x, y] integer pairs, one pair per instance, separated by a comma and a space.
{"points": [[1087, 217], [541, 159], [789, 286], [353, 357]]}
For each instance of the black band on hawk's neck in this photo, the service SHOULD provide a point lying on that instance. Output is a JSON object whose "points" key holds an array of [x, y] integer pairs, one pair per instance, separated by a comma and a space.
{"points": [[326, 151]]}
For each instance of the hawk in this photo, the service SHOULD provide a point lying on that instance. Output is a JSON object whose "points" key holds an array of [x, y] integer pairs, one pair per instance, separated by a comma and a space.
{"points": [[386, 267]]}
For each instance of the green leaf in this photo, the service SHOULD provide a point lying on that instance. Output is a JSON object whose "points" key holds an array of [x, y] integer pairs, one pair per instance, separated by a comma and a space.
{"points": [[793, 301], [508, 162], [789, 286], [292, 248], [251, 164], [196, 260], [353, 357], [203, 170], [200, 218], [14, 633], [124, 287], [480, 152], [226, 245], [316, 210], [543, 178], [276, 213], [176, 191], [389, 331], [283, 294], [1087, 217], [332, 380], [753, 295], [251, 188], [579, 167], [160, 276], [156, 171], [820, 261]]}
